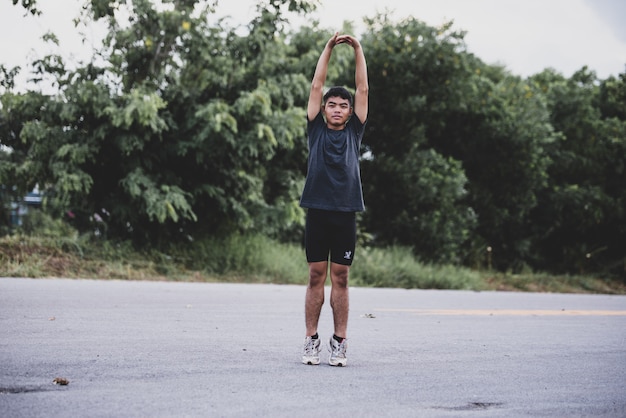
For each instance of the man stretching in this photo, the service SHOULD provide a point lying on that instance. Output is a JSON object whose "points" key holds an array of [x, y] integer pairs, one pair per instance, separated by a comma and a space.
{"points": [[332, 195]]}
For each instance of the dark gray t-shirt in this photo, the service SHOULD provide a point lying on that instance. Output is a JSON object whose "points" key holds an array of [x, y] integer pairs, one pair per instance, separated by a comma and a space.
{"points": [[333, 180]]}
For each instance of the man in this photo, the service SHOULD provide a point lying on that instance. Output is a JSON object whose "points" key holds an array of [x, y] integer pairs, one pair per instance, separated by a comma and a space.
{"points": [[332, 195]]}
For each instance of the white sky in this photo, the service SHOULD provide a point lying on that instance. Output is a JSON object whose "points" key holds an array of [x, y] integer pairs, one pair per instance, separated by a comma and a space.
{"points": [[526, 36]]}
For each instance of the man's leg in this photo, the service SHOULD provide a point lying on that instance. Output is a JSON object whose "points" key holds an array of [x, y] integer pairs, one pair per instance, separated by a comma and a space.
{"points": [[314, 296], [339, 300], [340, 304], [312, 307]]}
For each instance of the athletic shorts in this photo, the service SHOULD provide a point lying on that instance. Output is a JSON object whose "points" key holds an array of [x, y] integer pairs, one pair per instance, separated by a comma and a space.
{"points": [[330, 232]]}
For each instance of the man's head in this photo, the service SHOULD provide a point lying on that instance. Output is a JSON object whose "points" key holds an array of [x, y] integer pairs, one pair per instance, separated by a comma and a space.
{"points": [[341, 92], [337, 107]]}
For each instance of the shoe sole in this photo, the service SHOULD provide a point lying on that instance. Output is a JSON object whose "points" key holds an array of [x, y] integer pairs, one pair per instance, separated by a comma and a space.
{"points": [[310, 362]]}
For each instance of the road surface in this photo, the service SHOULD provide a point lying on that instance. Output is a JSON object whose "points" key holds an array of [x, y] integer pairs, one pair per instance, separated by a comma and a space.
{"points": [[167, 349]]}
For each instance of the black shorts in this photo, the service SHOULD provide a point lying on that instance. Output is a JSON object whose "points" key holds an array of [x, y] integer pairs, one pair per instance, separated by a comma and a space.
{"points": [[330, 232]]}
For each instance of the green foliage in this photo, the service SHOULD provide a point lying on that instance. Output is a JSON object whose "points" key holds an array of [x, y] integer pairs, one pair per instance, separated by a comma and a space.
{"points": [[188, 130], [29, 5], [248, 258], [40, 224], [161, 138], [423, 208], [140, 108], [580, 219], [501, 140], [257, 259], [416, 82], [397, 267], [160, 203]]}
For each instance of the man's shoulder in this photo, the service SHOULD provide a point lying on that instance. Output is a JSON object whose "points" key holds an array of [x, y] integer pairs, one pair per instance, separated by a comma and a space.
{"points": [[355, 124], [317, 124], [319, 118]]}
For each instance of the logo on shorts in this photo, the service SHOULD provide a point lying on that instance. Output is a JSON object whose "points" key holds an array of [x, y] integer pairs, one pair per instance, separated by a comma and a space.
{"points": [[348, 255]]}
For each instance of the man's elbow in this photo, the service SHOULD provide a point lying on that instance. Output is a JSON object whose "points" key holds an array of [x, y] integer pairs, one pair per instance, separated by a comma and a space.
{"points": [[363, 90], [317, 86]]}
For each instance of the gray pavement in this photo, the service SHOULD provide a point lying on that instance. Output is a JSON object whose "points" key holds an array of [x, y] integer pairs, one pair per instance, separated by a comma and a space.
{"points": [[164, 349]]}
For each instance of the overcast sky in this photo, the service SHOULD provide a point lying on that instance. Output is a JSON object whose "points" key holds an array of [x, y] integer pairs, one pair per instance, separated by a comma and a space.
{"points": [[526, 36]]}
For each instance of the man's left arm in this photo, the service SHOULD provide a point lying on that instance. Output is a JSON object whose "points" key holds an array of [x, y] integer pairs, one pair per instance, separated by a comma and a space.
{"points": [[361, 101]]}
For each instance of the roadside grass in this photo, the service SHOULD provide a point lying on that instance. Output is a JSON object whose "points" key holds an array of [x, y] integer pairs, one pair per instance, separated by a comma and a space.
{"points": [[258, 259], [397, 267]]}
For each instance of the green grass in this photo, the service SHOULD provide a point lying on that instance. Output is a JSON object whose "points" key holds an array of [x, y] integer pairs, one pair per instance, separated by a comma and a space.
{"points": [[397, 267], [257, 259]]}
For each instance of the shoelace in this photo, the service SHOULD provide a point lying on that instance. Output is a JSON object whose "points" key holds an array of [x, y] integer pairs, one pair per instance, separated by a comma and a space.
{"points": [[310, 347], [339, 350]]}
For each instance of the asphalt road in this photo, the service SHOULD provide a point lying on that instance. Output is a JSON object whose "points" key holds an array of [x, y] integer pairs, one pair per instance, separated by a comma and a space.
{"points": [[156, 349]]}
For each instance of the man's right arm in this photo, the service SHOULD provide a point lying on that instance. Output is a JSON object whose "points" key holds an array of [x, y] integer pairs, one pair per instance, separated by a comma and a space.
{"points": [[319, 78]]}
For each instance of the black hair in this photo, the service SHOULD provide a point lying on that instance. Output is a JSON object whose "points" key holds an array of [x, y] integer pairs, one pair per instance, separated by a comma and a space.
{"points": [[339, 92]]}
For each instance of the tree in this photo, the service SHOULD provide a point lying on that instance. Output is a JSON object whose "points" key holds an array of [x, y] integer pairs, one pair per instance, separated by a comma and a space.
{"points": [[580, 219], [499, 132], [484, 128], [415, 196], [29, 5], [180, 128], [160, 141]]}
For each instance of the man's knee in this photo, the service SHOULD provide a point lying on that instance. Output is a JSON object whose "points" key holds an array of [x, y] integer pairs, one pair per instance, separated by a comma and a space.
{"points": [[317, 274], [339, 275]]}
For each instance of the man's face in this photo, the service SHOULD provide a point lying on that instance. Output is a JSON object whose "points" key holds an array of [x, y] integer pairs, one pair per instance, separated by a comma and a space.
{"points": [[337, 111]]}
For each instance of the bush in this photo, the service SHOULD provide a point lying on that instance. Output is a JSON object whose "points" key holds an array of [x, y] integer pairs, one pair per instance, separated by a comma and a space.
{"points": [[39, 223], [247, 257], [397, 267], [258, 259]]}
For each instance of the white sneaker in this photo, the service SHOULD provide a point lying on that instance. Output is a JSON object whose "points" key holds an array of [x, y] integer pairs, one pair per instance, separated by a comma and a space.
{"points": [[312, 348], [338, 352]]}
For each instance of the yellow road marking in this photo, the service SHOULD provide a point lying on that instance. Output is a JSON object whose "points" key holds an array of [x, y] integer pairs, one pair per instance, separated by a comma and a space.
{"points": [[513, 312]]}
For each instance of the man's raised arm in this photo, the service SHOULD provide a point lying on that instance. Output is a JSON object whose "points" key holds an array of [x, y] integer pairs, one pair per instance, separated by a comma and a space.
{"points": [[361, 102], [319, 78]]}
